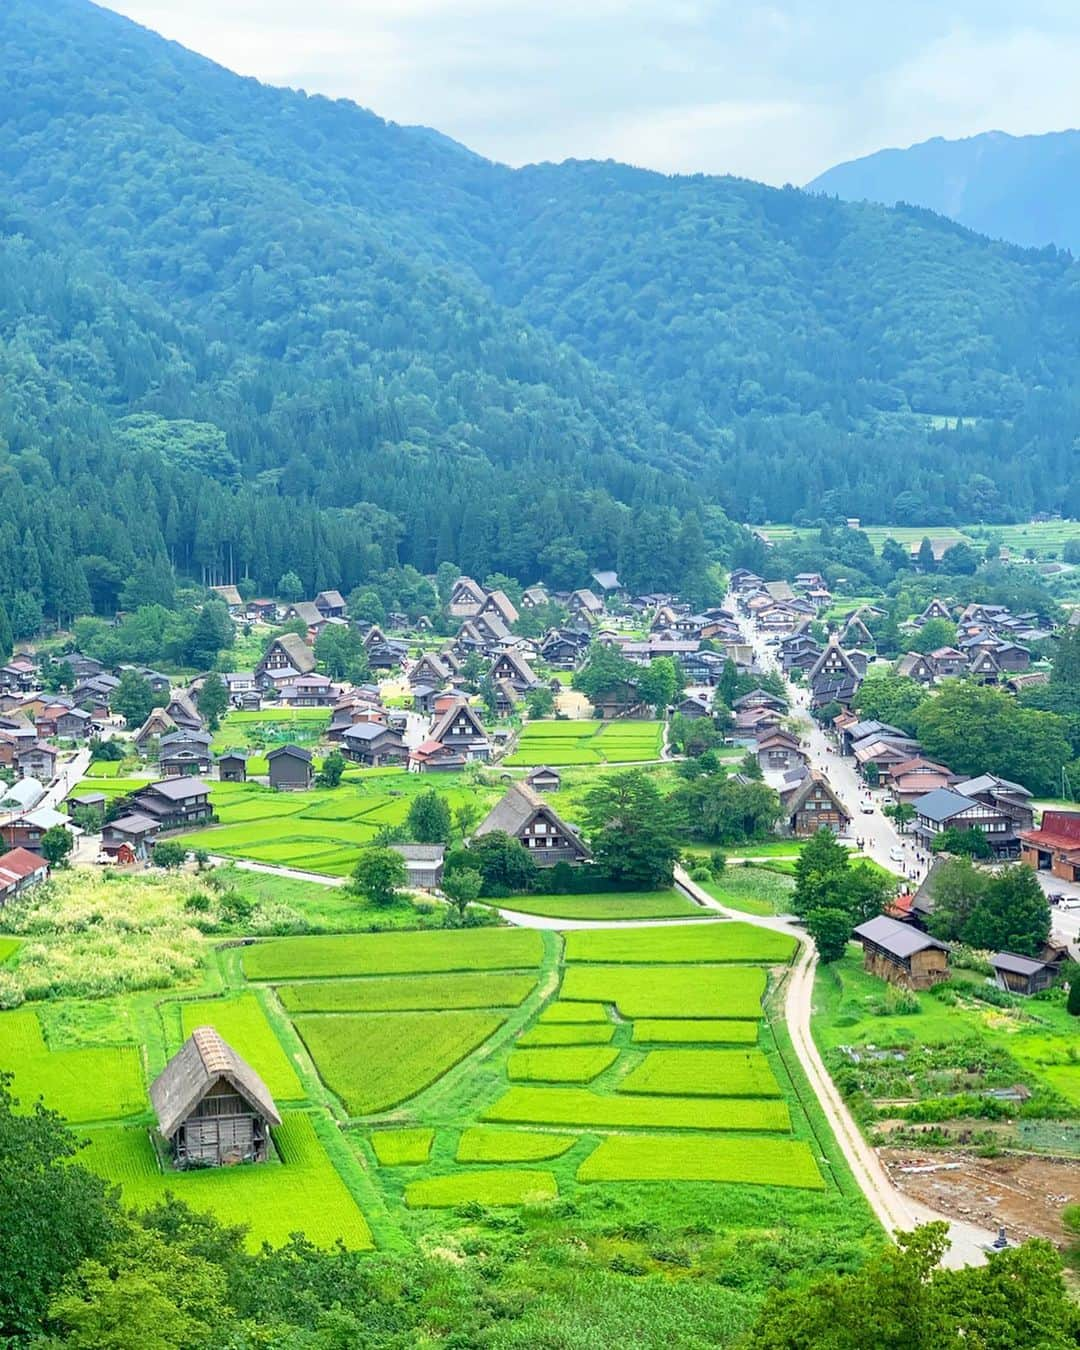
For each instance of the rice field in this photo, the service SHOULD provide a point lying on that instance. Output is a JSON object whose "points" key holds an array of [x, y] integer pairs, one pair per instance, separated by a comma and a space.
{"points": [[669, 904], [242, 1023], [701, 1031], [469, 949], [722, 940], [503, 1186], [573, 1012], [705, 1073], [577, 1064], [8, 947], [579, 1106], [644, 1157], [304, 1194], [565, 743], [675, 991], [373, 1061], [481, 1144], [320, 830], [404, 993], [91, 1083], [396, 1148], [567, 1033]]}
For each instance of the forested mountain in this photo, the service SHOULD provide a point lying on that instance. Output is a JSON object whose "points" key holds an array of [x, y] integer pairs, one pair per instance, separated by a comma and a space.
{"points": [[1020, 188], [247, 331]]}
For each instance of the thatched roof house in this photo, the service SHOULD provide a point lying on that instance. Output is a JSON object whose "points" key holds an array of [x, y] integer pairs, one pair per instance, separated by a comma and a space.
{"points": [[212, 1107]]}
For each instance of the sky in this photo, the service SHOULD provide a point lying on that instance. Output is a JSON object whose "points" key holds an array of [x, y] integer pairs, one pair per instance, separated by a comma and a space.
{"points": [[778, 92]]}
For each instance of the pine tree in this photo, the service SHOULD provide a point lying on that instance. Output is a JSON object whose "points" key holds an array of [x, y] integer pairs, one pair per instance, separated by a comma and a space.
{"points": [[6, 642]]}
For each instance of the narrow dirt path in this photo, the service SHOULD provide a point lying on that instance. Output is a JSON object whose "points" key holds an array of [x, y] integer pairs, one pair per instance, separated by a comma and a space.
{"points": [[894, 1210]]}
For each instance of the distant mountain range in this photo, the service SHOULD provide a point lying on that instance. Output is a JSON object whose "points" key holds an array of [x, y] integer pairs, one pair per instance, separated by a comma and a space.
{"points": [[1025, 189]]}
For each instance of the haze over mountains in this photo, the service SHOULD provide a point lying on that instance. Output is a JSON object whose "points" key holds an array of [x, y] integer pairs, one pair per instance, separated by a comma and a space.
{"points": [[238, 322], [1022, 188]]}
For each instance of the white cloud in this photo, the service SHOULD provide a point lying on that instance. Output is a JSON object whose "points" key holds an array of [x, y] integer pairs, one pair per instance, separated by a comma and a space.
{"points": [[777, 90]]}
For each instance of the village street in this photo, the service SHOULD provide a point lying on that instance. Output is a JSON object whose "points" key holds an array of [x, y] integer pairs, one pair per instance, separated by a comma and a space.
{"points": [[877, 832]]}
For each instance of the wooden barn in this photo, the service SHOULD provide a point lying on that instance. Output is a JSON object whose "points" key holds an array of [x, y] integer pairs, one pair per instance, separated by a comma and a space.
{"points": [[212, 1108], [899, 953]]}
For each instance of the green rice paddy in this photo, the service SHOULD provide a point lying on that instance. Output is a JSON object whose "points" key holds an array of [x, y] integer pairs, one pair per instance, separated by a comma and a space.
{"points": [[562, 743]]}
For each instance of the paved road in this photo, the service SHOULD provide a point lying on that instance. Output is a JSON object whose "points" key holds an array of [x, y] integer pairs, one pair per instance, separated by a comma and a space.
{"points": [[272, 870], [68, 774], [877, 833]]}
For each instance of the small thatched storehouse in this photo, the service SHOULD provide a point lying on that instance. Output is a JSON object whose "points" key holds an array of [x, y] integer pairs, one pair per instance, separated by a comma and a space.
{"points": [[213, 1109]]}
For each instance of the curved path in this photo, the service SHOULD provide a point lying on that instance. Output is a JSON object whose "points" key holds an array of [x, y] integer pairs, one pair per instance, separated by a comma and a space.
{"points": [[894, 1210]]}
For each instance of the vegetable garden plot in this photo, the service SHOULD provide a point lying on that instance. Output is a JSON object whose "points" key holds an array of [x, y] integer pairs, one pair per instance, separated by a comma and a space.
{"points": [[504, 1186], [395, 1148], [579, 1106], [393, 993], [576, 1065], [705, 1073], [567, 1033], [373, 1061], [305, 1193], [711, 941], [671, 991], [485, 1145], [645, 1157], [242, 1023], [720, 1031], [469, 949], [93, 1083]]}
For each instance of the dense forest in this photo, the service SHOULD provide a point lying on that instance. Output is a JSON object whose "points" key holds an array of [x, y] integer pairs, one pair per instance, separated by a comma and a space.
{"points": [[244, 331]]}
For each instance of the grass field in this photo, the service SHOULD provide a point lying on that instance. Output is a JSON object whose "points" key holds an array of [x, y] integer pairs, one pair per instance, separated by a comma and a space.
{"points": [[579, 1064], [769, 1162], [568, 1033], [579, 1106], [653, 1029], [100, 1083], [318, 1202], [395, 1148], [373, 1061], [480, 1144], [752, 889], [677, 991], [707, 942], [8, 948], [706, 1073], [242, 1022], [1046, 537], [562, 743], [469, 949], [648, 905], [505, 1186]]}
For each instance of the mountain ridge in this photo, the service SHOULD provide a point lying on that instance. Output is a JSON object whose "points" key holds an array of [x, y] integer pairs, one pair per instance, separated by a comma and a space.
{"points": [[1002, 185]]}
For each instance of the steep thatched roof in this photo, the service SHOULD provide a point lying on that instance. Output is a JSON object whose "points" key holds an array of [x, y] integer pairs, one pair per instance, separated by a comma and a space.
{"points": [[203, 1060]]}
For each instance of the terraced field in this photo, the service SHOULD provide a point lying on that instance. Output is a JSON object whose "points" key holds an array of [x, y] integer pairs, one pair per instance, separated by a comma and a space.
{"points": [[424, 1071]]}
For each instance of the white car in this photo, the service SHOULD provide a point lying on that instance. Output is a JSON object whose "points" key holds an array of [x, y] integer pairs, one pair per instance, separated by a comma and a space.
{"points": [[896, 853], [1069, 902], [867, 808]]}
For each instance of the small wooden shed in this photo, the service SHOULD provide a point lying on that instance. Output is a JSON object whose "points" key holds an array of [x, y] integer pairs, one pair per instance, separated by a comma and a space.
{"points": [[1022, 974], [212, 1107], [899, 953], [232, 766]]}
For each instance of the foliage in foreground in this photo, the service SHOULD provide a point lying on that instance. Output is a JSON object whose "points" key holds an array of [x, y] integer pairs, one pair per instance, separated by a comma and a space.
{"points": [[904, 1300]]}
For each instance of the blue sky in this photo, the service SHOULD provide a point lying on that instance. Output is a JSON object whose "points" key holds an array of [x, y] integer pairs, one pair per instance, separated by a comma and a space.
{"points": [[777, 92]]}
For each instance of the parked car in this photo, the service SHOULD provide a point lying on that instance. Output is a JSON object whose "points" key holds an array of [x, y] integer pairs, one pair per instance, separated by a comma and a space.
{"points": [[896, 853], [1069, 902]]}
